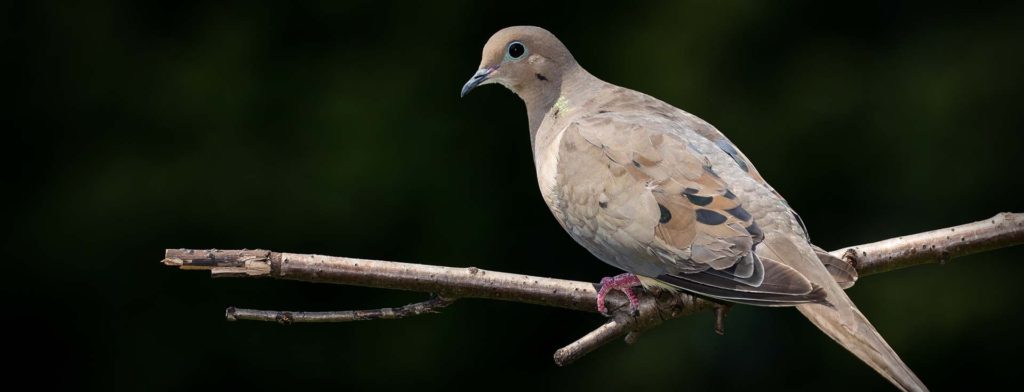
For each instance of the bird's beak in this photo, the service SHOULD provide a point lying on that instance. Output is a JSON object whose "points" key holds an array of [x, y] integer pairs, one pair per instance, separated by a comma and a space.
{"points": [[479, 77]]}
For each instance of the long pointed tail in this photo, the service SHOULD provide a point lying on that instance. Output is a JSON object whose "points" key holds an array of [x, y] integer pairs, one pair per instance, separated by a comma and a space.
{"points": [[842, 321], [848, 327]]}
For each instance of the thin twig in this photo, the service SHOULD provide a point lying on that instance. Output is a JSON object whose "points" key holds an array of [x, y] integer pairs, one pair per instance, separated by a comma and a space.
{"points": [[433, 305], [1002, 230], [604, 334]]}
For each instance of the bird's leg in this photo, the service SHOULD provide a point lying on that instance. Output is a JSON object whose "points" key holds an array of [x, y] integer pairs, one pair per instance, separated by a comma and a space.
{"points": [[624, 283], [720, 311]]}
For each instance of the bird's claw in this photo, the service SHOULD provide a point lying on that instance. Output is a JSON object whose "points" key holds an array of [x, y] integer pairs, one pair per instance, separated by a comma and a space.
{"points": [[624, 283]]}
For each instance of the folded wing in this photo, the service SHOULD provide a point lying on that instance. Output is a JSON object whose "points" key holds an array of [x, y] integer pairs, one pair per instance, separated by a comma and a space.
{"points": [[665, 198]]}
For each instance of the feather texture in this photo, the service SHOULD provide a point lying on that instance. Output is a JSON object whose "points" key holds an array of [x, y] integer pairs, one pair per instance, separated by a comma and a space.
{"points": [[689, 220]]}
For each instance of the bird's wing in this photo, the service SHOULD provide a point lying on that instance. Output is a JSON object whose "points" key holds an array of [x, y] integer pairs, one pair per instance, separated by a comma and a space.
{"points": [[842, 272], [632, 188]]}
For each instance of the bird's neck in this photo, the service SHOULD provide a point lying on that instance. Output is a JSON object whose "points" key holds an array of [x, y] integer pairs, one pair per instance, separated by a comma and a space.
{"points": [[540, 101]]}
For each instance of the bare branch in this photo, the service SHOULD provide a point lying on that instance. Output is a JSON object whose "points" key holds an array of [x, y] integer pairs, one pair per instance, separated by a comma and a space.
{"points": [[936, 246], [1003, 230], [433, 305], [448, 282], [604, 334]]}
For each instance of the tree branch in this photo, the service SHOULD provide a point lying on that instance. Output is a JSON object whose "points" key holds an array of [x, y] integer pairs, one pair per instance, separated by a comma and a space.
{"points": [[450, 283], [936, 246], [433, 305]]}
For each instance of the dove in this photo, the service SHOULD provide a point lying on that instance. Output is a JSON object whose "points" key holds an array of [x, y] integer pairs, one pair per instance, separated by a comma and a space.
{"points": [[664, 196]]}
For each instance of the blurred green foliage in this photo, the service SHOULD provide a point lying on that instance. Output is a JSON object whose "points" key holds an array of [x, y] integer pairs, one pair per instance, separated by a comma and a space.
{"points": [[335, 127]]}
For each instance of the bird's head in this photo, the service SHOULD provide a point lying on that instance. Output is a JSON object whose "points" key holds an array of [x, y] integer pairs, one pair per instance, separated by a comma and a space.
{"points": [[525, 59]]}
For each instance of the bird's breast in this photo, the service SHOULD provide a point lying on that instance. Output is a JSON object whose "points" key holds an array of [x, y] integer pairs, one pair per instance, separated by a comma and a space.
{"points": [[545, 156]]}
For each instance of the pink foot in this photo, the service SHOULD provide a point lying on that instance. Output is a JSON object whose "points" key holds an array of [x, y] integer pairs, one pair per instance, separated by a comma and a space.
{"points": [[624, 283]]}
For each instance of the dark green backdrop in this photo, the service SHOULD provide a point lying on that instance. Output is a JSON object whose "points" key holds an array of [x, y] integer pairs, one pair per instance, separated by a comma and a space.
{"points": [[336, 128]]}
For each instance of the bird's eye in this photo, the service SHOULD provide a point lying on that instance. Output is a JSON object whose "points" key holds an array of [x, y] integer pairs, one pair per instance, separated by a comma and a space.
{"points": [[516, 50]]}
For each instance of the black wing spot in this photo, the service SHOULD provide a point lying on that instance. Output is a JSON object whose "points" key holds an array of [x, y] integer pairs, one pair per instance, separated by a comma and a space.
{"points": [[635, 163], [665, 214], [709, 217], [602, 204], [698, 200], [541, 77], [729, 195], [739, 213], [691, 191], [755, 232]]}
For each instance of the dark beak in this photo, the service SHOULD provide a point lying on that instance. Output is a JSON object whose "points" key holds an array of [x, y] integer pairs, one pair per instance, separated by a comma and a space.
{"points": [[479, 77]]}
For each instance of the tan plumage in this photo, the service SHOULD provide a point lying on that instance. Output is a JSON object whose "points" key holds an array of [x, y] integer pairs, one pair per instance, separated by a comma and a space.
{"points": [[662, 194]]}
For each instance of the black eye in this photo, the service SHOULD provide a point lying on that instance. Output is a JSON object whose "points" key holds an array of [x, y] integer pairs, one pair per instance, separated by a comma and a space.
{"points": [[516, 50]]}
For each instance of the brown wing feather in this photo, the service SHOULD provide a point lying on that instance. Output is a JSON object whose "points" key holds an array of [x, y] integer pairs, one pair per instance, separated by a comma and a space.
{"points": [[703, 236]]}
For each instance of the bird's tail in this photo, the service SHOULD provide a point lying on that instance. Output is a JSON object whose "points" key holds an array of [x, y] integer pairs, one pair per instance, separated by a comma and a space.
{"points": [[854, 332], [845, 324]]}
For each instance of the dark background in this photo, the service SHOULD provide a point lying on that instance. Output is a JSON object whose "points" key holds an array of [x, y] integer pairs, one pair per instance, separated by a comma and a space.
{"points": [[336, 128]]}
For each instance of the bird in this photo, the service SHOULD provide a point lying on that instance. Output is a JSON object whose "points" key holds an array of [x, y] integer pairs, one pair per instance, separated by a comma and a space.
{"points": [[664, 196]]}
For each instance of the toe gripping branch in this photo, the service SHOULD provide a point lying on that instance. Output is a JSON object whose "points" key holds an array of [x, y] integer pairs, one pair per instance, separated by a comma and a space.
{"points": [[652, 307], [624, 283]]}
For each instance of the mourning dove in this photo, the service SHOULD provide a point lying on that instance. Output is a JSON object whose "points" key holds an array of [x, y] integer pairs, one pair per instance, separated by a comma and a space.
{"points": [[663, 195]]}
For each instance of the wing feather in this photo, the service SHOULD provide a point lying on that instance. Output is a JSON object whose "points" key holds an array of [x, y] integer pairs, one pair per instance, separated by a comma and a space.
{"points": [[665, 197]]}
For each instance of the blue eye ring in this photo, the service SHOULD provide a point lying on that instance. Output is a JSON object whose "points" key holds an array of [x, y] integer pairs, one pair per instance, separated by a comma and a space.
{"points": [[515, 51]]}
